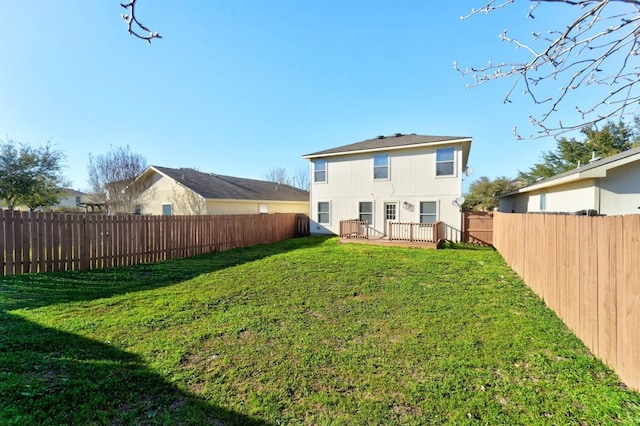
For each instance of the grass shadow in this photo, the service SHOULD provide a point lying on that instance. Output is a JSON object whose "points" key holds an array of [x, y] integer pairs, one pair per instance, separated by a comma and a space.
{"points": [[38, 290], [450, 245], [49, 377], [43, 369]]}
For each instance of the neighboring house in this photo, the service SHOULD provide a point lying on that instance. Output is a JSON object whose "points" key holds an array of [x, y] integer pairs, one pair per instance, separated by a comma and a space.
{"points": [[400, 178], [71, 200], [609, 186], [167, 191]]}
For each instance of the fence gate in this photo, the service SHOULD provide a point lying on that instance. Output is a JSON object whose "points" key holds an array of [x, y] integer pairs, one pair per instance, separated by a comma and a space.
{"points": [[477, 228]]}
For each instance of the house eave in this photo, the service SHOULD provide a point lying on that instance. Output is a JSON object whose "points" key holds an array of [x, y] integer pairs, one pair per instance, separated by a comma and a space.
{"points": [[591, 171], [236, 200], [575, 177], [390, 148]]}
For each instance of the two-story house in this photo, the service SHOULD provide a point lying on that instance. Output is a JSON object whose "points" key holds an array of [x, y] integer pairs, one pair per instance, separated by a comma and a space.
{"points": [[399, 178]]}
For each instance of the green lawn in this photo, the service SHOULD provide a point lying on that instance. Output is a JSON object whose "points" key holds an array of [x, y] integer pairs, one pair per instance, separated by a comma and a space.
{"points": [[306, 331]]}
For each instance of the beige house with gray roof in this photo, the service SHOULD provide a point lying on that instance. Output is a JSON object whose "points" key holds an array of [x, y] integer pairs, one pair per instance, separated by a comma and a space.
{"points": [[399, 178], [168, 191], [609, 186]]}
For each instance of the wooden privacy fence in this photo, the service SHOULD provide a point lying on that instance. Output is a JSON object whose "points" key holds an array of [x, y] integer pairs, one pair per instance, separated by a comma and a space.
{"points": [[477, 228], [44, 242], [587, 269]]}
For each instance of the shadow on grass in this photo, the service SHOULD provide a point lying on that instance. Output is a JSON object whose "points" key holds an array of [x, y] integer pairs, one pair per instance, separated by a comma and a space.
{"points": [[38, 290], [52, 377], [449, 245], [49, 377]]}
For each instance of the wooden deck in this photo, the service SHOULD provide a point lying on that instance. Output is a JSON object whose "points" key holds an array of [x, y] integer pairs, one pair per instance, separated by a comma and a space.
{"points": [[381, 241], [400, 234]]}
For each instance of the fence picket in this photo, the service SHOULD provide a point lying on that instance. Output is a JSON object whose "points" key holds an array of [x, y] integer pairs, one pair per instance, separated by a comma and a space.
{"points": [[43, 242], [586, 269]]}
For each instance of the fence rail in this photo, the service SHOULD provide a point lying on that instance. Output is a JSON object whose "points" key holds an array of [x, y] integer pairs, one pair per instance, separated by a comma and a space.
{"points": [[44, 242], [587, 270]]}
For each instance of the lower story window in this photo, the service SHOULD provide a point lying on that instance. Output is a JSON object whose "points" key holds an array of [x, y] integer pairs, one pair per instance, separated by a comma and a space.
{"points": [[428, 212], [366, 211], [324, 213]]}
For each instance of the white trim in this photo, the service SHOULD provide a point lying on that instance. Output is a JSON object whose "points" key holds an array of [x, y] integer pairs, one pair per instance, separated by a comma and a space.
{"points": [[453, 160], [373, 211], [326, 172], [388, 167], [598, 171], [317, 209], [437, 214]]}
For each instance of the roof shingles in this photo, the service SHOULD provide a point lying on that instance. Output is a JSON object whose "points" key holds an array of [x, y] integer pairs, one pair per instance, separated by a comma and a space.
{"points": [[213, 186], [386, 142]]}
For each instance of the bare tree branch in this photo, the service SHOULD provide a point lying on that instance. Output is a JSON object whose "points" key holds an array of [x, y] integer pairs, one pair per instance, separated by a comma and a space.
{"points": [[188, 202], [599, 48], [134, 26]]}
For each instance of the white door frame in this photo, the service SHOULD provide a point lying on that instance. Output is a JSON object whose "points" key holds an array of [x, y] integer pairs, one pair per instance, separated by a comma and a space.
{"points": [[390, 215]]}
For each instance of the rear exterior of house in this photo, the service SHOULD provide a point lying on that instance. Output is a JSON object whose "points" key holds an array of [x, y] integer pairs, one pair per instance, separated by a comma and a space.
{"points": [[400, 178], [609, 186]]}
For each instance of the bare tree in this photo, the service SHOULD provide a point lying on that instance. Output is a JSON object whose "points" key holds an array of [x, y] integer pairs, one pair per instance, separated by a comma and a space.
{"points": [[598, 48], [134, 26], [301, 178], [277, 174], [189, 202], [111, 173]]}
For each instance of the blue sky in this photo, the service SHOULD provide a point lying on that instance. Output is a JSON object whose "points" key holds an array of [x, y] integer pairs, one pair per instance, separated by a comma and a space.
{"points": [[240, 87]]}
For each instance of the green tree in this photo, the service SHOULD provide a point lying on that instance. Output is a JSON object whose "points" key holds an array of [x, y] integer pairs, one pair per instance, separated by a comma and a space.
{"points": [[30, 176], [45, 193], [570, 153], [482, 193]]}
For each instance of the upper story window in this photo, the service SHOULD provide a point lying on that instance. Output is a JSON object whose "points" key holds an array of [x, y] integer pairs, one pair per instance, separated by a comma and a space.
{"points": [[324, 212], [444, 162], [381, 166], [428, 212], [366, 211], [320, 171], [167, 210]]}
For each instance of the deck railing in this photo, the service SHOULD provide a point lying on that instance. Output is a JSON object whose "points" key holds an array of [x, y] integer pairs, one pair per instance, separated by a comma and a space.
{"points": [[354, 228], [397, 231], [412, 231]]}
